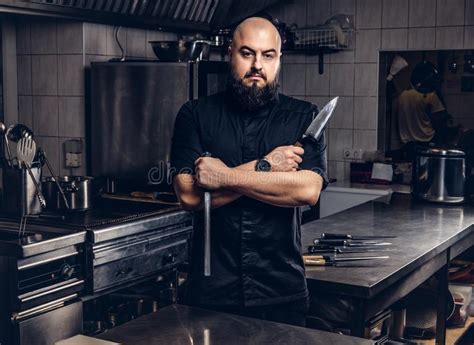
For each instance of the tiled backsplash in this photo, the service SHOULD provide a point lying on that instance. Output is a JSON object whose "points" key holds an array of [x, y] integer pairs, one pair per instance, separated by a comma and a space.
{"points": [[53, 56], [353, 74], [52, 60]]}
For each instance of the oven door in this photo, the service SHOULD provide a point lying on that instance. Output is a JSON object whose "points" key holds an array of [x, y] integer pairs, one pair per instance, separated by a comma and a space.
{"points": [[48, 323]]}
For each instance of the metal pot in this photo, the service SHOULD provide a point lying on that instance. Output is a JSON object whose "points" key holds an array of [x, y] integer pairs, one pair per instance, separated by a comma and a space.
{"points": [[181, 50], [439, 175], [77, 189]]}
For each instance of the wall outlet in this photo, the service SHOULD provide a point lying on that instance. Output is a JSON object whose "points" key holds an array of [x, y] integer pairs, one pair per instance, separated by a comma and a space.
{"points": [[353, 154], [73, 160]]}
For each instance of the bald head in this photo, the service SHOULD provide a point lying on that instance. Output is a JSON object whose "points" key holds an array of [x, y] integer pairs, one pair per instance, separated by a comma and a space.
{"points": [[255, 52], [257, 26]]}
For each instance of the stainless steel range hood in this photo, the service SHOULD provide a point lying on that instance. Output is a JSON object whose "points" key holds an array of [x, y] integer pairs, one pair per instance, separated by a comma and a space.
{"points": [[177, 15]]}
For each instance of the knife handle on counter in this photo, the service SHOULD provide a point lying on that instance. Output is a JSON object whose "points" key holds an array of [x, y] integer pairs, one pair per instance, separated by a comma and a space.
{"points": [[316, 260], [327, 236], [145, 195], [331, 242], [325, 260]]}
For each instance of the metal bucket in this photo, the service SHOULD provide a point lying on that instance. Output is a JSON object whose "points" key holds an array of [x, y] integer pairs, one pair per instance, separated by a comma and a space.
{"points": [[439, 175], [19, 192], [77, 189]]}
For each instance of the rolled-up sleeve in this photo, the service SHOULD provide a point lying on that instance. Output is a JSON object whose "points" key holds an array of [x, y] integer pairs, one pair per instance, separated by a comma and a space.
{"points": [[315, 155], [186, 143]]}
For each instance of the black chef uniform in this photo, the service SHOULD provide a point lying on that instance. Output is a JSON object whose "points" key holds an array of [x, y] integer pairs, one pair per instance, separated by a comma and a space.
{"points": [[256, 247]]}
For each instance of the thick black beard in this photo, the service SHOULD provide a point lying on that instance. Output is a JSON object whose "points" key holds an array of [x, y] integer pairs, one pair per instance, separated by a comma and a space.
{"points": [[252, 98]]}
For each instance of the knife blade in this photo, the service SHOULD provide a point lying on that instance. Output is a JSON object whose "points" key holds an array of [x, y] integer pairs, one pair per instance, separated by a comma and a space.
{"points": [[324, 260], [349, 243], [316, 128], [331, 246], [343, 250], [328, 236]]}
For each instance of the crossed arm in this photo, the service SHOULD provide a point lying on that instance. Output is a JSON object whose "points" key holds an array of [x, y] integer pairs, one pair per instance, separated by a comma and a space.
{"points": [[191, 195], [285, 187]]}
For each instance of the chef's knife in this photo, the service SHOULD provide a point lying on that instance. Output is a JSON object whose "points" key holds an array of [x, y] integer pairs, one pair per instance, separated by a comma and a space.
{"points": [[316, 128], [349, 243], [328, 236], [325, 260]]}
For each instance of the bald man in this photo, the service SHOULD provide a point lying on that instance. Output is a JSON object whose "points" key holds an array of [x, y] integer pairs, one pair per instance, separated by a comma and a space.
{"points": [[257, 179]]}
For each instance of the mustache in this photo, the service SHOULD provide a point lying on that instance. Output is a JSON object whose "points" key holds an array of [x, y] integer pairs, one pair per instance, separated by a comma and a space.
{"points": [[251, 98], [255, 71]]}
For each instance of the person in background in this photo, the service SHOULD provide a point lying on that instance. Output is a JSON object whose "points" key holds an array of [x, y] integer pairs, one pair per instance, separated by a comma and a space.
{"points": [[422, 117], [257, 178]]}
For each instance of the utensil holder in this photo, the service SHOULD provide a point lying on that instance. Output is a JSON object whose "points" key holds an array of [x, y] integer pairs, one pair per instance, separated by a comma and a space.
{"points": [[19, 193]]}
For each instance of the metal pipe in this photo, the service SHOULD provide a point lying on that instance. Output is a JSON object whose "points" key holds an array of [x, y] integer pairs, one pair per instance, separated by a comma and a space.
{"points": [[207, 228]]}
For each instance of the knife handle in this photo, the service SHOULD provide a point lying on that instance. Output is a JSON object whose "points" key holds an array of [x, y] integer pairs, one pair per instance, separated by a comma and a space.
{"points": [[337, 243], [317, 249], [327, 236], [315, 262], [316, 257], [145, 195]]}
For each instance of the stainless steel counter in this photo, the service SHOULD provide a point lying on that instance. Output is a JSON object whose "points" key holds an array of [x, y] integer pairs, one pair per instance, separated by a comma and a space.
{"points": [[428, 236], [178, 324]]}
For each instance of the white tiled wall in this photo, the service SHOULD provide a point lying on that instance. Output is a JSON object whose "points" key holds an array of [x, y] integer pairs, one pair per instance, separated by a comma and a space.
{"points": [[380, 25]]}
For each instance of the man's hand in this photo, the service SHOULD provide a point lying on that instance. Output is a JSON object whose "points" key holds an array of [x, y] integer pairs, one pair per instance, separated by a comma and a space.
{"points": [[285, 158], [210, 172]]}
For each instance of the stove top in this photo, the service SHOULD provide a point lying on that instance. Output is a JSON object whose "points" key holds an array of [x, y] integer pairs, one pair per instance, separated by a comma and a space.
{"points": [[34, 240], [108, 220], [108, 212]]}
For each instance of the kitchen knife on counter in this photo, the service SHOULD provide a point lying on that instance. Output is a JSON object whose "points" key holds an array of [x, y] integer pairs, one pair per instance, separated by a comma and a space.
{"points": [[349, 243], [343, 250], [328, 236], [316, 128], [326, 260]]}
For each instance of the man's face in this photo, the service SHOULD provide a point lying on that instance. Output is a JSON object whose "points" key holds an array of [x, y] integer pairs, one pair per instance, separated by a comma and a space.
{"points": [[255, 55]]}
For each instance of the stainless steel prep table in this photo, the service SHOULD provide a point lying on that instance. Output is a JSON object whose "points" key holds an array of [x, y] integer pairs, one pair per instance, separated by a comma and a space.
{"points": [[178, 324], [428, 237]]}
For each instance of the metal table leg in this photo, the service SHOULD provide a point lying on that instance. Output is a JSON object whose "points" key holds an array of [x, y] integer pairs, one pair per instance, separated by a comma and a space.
{"points": [[358, 321], [442, 277]]}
